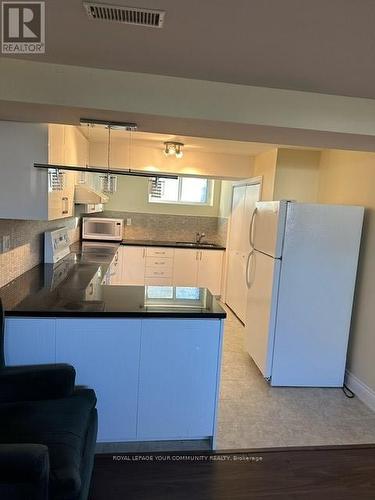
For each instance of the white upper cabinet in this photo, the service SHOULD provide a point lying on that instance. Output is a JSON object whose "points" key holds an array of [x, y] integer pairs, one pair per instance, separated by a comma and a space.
{"points": [[36, 194]]}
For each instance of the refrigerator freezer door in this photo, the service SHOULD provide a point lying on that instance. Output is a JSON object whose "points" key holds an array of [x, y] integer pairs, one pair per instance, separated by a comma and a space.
{"points": [[269, 226], [317, 283], [261, 308]]}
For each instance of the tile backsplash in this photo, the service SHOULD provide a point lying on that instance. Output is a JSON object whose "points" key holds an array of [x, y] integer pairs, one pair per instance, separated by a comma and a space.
{"points": [[26, 237], [163, 227], [26, 244]]}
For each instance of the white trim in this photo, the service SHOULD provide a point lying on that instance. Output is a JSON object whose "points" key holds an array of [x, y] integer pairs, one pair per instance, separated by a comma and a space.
{"points": [[361, 390]]}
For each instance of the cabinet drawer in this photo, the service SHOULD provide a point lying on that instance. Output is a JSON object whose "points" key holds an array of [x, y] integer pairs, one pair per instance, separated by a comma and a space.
{"points": [[157, 272], [160, 262], [159, 252], [158, 281]]}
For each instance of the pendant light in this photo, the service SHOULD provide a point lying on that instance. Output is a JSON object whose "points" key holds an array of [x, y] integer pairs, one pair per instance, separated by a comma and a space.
{"points": [[108, 181]]}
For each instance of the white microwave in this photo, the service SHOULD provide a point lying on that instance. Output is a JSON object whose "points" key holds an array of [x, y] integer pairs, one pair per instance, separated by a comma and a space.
{"points": [[95, 228]]}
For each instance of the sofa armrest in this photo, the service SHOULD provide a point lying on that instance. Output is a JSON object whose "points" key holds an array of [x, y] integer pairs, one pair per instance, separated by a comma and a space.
{"points": [[24, 471], [36, 382]]}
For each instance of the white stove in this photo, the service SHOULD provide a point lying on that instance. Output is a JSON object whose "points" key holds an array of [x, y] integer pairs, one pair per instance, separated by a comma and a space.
{"points": [[56, 245]]}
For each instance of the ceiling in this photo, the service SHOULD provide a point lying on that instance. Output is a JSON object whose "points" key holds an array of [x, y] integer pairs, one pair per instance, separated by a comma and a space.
{"points": [[201, 144], [311, 45]]}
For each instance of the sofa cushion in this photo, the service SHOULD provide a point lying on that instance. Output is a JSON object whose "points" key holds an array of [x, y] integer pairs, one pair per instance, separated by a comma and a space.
{"points": [[61, 425]]}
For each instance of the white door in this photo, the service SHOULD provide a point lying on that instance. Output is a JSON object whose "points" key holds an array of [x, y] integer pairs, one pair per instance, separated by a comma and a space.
{"points": [[235, 252], [29, 341], [105, 354], [243, 205], [262, 294], [178, 377], [235, 294], [210, 266], [268, 226], [132, 265], [185, 267]]}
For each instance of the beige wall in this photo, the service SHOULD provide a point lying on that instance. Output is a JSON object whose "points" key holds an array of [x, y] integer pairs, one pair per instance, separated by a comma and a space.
{"points": [[297, 175], [132, 196], [349, 178], [153, 159], [265, 166]]}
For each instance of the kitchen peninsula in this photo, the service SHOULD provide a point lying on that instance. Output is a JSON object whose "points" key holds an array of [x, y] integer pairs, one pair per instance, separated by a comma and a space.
{"points": [[152, 353]]}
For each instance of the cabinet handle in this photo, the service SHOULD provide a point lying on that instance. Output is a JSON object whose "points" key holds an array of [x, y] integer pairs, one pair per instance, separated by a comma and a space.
{"points": [[65, 207], [196, 255], [200, 255], [144, 253], [160, 253]]}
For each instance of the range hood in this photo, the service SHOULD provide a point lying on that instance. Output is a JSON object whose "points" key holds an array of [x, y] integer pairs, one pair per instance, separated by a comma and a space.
{"points": [[87, 196]]}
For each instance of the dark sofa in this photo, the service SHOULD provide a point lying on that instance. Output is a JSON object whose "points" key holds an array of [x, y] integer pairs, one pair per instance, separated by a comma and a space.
{"points": [[48, 431]]}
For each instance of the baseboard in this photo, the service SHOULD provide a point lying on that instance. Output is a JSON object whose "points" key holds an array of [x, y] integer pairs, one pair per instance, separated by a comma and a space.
{"points": [[361, 390]]}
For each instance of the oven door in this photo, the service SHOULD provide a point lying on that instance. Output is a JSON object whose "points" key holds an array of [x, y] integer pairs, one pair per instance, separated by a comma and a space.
{"points": [[102, 229]]}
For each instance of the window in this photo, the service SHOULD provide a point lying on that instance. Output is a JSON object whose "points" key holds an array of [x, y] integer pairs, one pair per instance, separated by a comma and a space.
{"points": [[184, 190]]}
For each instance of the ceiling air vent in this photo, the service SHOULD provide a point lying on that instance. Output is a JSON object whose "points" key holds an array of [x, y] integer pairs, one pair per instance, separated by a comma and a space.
{"points": [[126, 15]]}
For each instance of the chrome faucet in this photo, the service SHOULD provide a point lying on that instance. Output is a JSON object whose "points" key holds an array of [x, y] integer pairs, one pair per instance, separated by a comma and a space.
{"points": [[199, 237]]}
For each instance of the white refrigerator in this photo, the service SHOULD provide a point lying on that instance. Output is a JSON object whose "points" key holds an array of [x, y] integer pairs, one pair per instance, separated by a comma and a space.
{"points": [[301, 277]]}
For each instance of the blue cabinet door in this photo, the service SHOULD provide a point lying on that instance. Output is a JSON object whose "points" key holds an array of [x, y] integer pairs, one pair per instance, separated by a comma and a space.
{"points": [[29, 341], [105, 354], [178, 379]]}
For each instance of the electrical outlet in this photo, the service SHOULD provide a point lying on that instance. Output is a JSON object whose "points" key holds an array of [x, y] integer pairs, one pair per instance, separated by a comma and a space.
{"points": [[5, 247], [128, 222]]}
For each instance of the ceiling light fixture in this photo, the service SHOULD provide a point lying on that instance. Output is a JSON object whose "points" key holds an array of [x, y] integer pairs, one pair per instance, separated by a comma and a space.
{"points": [[173, 148]]}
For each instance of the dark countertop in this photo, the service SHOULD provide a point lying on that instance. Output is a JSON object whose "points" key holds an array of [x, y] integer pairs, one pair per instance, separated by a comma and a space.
{"points": [[172, 244], [73, 288]]}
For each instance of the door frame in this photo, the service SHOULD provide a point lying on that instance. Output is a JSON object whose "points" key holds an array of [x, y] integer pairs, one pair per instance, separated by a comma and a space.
{"points": [[243, 182]]}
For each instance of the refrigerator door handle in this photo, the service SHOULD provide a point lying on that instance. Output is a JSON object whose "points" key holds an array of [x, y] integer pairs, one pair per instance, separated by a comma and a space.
{"points": [[249, 257], [251, 229]]}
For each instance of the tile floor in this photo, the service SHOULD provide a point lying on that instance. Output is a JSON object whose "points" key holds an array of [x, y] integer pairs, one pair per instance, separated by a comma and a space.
{"points": [[254, 415]]}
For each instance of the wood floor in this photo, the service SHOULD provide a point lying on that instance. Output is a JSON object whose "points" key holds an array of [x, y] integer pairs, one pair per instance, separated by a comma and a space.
{"points": [[334, 473]]}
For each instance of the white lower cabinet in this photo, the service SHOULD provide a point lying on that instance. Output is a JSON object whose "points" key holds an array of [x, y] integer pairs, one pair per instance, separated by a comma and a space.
{"points": [[155, 379], [185, 269], [105, 354], [115, 269], [29, 341], [210, 265], [172, 266], [178, 379], [132, 265], [202, 268]]}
